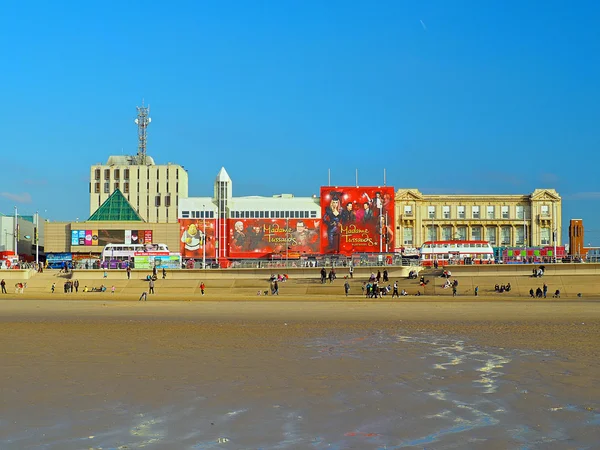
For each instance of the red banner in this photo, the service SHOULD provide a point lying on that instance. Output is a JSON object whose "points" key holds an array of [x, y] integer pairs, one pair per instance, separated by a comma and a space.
{"points": [[259, 238], [191, 232], [357, 220], [147, 236]]}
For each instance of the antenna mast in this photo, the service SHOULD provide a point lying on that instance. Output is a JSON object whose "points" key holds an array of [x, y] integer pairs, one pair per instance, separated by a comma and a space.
{"points": [[142, 121]]}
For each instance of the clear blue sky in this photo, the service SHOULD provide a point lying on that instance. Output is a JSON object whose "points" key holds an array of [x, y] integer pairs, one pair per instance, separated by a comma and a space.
{"points": [[449, 97]]}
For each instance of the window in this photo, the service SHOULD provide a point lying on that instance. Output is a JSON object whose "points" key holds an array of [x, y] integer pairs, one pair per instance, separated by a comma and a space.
{"points": [[408, 211], [185, 214], [475, 212], [491, 212], [545, 210], [158, 174], [106, 188], [252, 214], [117, 174], [313, 214], [476, 233], [97, 174], [126, 174], [504, 211], [446, 212], [520, 212], [490, 235], [461, 212], [408, 236], [545, 236], [177, 174], [116, 186], [168, 201], [96, 188], [157, 201], [126, 187], [431, 212], [505, 236], [431, 234], [461, 233], [107, 174], [520, 236], [446, 233]]}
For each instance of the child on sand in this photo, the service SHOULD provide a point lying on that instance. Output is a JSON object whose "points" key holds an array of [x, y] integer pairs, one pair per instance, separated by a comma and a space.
{"points": [[202, 287], [112, 289]]}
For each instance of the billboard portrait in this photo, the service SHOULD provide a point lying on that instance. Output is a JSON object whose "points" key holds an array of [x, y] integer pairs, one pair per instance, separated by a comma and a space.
{"points": [[256, 238], [357, 219], [191, 233]]}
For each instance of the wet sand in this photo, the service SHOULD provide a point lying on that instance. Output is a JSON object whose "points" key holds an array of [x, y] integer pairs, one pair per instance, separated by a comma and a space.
{"points": [[102, 374]]}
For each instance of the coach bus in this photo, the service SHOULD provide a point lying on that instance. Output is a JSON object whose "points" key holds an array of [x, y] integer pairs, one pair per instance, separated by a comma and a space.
{"points": [[456, 252], [119, 256]]}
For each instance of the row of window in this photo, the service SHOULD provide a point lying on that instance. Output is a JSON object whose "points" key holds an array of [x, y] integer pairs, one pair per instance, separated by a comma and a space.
{"points": [[198, 214], [273, 214], [117, 174], [476, 212], [448, 234], [125, 190]]}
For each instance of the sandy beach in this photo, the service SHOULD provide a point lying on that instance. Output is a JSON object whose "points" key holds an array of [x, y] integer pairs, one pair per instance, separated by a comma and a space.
{"points": [[102, 374]]}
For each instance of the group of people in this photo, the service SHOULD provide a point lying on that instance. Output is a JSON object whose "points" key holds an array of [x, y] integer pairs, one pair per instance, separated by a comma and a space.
{"points": [[503, 288], [325, 276], [378, 277], [542, 292], [539, 272]]}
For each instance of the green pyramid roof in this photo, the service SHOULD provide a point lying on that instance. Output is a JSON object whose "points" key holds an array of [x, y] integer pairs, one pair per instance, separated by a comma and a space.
{"points": [[116, 207]]}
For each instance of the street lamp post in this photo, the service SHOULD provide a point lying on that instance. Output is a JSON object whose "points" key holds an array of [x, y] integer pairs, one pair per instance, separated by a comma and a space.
{"points": [[287, 244], [16, 233], [203, 237], [36, 238]]}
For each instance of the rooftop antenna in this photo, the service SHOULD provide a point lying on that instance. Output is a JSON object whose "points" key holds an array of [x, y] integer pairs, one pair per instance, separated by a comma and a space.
{"points": [[356, 177], [142, 121], [384, 176], [328, 177]]}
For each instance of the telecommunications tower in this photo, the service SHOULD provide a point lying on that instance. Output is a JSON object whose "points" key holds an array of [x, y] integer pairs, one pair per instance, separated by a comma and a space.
{"points": [[142, 121]]}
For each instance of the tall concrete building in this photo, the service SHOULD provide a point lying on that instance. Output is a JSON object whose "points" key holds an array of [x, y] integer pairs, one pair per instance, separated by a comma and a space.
{"points": [[153, 190], [528, 220]]}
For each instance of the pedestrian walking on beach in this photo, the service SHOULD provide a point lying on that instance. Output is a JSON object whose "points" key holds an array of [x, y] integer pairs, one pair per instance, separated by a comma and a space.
{"points": [[53, 286], [128, 272], [105, 274], [144, 296], [202, 287], [164, 273], [453, 291], [476, 291], [347, 288], [151, 286], [351, 270], [545, 290], [76, 285], [323, 275], [395, 291], [112, 289], [3, 284]]}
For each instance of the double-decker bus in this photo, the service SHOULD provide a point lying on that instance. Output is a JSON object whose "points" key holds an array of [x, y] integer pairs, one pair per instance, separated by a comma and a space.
{"points": [[118, 256], [456, 252]]}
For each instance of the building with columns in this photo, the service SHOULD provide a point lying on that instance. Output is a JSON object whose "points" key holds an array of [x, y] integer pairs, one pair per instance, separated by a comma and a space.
{"points": [[528, 220]]}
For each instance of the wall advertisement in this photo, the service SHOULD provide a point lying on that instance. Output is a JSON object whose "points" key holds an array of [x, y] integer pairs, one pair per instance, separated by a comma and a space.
{"points": [[259, 238], [191, 238], [172, 261], [357, 219], [103, 237]]}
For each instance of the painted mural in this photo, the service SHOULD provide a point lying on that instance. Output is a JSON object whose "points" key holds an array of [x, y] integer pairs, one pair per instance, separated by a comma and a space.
{"points": [[357, 219]]}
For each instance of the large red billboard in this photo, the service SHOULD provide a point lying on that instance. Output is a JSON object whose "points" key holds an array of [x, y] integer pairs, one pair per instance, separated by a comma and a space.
{"points": [[191, 232], [357, 219], [256, 238]]}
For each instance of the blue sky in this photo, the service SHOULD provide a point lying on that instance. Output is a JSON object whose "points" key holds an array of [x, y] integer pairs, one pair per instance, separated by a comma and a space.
{"points": [[448, 97]]}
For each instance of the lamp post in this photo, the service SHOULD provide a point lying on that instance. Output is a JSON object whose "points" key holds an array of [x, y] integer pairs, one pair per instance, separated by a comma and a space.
{"points": [[36, 238], [287, 244], [16, 233], [203, 237]]}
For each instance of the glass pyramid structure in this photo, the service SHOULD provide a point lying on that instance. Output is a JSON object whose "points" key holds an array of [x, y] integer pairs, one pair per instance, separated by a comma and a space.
{"points": [[116, 207]]}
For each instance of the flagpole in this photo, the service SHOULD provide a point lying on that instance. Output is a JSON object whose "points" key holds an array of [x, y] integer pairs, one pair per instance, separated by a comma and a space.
{"points": [[16, 233]]}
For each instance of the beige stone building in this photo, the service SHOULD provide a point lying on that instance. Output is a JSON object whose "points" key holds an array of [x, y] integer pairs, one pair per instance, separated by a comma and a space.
{"points": [[153, 190], [503, 220]]}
